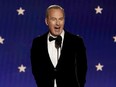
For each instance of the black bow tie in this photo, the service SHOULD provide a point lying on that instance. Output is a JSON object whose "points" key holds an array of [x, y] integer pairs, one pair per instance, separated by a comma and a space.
{"points": [[52, 38], [58, 40]]}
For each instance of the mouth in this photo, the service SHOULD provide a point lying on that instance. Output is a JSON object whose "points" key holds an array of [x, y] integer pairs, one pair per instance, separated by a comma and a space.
{"points": [[57, 27]]}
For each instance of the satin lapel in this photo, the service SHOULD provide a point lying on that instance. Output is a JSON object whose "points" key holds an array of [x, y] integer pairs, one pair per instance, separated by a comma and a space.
{"points": [[63, 50], [45, 46]]}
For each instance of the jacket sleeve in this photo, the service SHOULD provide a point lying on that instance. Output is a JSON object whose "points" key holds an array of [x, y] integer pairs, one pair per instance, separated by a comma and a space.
{"points": [[81, 63], [34, 62]]}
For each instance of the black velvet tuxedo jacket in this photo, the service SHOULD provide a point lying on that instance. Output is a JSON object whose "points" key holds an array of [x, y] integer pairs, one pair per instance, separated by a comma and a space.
{"points": [[72, 64]]}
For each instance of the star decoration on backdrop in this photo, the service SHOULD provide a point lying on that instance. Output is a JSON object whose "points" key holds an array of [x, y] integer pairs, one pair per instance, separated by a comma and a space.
{"points": [[1, 40], [114, 37], [99, 67], [20, 11], [22, 68], [98, 10]]}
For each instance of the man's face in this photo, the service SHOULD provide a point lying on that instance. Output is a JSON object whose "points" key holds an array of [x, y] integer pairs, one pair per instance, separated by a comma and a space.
{"points": [[55, 21]]}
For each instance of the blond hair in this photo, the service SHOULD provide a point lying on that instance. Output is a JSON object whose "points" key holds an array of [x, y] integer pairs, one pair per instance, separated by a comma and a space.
{"points": [[54, 7]]}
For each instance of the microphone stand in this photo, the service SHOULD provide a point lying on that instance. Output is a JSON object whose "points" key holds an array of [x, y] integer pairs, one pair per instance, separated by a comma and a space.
{"points": [[57, 54], [58, 45]]}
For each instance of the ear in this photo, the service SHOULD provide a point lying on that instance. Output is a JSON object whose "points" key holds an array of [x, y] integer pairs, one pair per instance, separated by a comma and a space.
{"points": [[46, 21]]}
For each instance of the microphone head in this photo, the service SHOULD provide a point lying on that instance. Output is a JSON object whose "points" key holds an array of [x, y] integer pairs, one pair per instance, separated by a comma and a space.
{"points": [[58, 41]]}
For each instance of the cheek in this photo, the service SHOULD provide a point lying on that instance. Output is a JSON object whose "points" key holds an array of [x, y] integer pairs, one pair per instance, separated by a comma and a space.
{"points": [[51, 24], [62, 23]]}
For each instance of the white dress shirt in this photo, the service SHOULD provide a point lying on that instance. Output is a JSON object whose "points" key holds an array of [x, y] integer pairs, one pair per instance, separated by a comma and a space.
{"points": [[53, 52]]}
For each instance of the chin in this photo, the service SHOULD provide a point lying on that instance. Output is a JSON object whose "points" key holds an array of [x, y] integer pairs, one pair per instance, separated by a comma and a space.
{"points": [[56, 34]]}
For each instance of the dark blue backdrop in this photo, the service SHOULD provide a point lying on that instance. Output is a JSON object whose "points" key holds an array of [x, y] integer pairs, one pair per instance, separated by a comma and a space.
{"points": [[18, 31]]}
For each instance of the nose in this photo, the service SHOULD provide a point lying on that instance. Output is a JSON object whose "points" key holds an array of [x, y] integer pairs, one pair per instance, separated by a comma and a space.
{"points": [[57, 22]]}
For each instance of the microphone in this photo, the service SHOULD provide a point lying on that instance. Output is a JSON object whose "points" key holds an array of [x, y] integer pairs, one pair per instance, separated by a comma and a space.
{"points": [[58, 41]]}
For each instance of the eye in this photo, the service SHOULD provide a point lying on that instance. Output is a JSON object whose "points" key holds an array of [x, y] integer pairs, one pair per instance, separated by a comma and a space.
{"points": [[61, 19], [53, 19]]}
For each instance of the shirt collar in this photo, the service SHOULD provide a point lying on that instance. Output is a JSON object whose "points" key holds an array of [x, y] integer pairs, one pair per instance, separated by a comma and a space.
{"points": [[62, 35]]}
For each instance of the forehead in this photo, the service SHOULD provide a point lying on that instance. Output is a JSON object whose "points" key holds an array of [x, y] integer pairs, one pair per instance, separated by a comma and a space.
{"points": [[55, 12]]}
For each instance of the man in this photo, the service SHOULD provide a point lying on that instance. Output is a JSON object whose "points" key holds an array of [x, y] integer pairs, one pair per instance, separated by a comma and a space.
{"points": [[58, 58]]}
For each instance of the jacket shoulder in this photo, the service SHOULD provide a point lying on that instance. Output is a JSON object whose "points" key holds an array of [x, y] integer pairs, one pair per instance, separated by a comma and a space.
{"points": [[39, 40], [40, 37], [73, 36]]}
